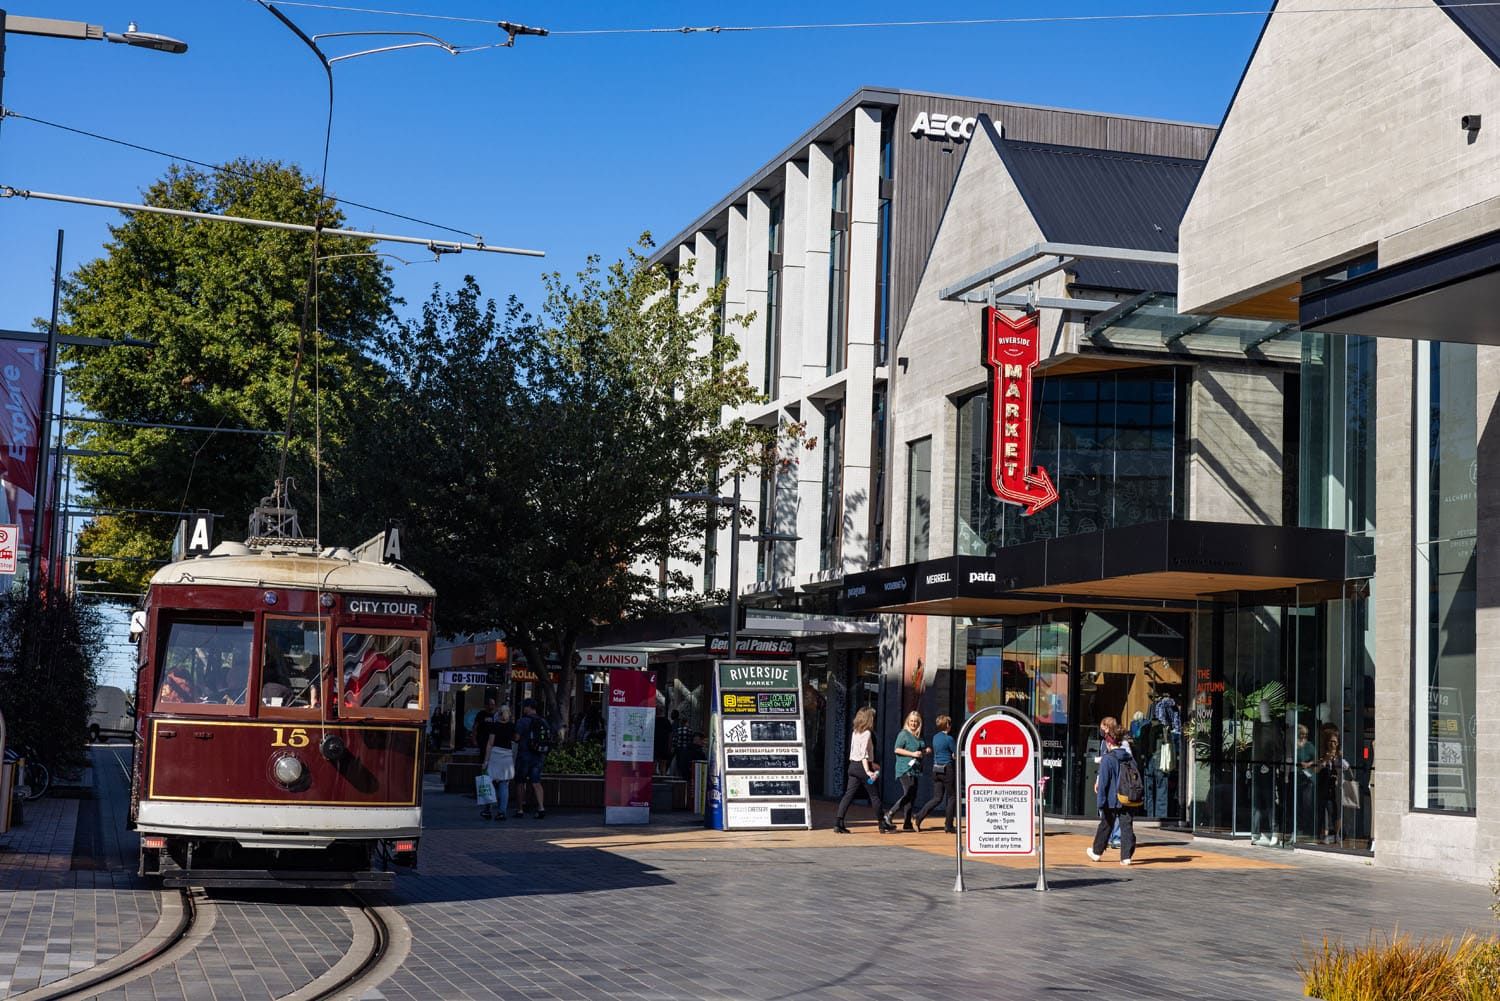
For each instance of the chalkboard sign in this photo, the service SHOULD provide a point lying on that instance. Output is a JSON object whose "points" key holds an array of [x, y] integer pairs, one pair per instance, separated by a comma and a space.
{"points": [[776, 703], [760, 759]]}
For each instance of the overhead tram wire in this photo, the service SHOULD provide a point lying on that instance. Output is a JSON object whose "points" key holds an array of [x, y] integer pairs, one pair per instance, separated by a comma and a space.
{"points": [[207, 165], [961, 22]]}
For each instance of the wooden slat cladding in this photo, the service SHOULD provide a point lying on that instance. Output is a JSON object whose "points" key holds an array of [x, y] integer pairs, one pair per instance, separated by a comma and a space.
{"points": [[926, 167]]}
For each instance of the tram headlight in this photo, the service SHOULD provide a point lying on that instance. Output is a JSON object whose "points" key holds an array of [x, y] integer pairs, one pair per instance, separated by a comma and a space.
{"points": [[288, 770]]}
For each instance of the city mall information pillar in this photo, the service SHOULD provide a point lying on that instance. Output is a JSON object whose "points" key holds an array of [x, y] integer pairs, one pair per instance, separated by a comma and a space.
{"points": [[758, 753]]}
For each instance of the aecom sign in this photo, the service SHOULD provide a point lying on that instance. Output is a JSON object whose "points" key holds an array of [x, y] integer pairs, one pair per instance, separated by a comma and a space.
{"points": [[941, 126]]}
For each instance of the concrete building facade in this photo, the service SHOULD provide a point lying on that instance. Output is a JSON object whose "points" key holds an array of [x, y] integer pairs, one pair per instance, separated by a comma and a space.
{"points": [[1370, 218]]}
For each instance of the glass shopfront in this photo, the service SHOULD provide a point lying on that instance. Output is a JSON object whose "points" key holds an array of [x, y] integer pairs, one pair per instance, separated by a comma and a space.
{"points": [[1070, 671], [1282, 721]]}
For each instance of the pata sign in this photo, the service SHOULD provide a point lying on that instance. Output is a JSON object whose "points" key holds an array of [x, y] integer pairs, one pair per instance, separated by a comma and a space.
{"points": [[941, 126]]}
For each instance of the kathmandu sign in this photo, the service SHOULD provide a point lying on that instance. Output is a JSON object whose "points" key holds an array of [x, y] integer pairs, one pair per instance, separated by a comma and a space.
{"points": [[1011, 352]]}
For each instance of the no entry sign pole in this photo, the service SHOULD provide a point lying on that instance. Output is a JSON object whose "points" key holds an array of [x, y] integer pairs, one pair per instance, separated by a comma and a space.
{"points": [[1002, 812]]}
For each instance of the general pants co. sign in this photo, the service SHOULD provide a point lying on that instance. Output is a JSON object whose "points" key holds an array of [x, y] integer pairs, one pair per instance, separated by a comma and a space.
{"points": [[1011, 351]]}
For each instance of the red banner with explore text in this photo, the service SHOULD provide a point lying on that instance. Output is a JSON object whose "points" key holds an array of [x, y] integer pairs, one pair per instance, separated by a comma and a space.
{"points": [[630, 740], [21, 364], [1011, 351]]}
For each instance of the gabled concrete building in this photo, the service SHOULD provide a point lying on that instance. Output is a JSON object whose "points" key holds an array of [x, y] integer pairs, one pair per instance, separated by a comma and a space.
{"points": [[1354, 190]]}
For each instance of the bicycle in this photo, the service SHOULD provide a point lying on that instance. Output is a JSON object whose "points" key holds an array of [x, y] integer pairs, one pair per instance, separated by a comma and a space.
{"points": [[35, 778]]}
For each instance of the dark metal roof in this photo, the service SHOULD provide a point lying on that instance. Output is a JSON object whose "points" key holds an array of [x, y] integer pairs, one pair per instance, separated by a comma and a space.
{"points": [[1106, 199], [1482, 24]]}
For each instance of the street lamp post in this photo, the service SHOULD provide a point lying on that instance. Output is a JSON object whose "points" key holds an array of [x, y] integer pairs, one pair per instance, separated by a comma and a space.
{"points": [[82, 31], [734, 503]]}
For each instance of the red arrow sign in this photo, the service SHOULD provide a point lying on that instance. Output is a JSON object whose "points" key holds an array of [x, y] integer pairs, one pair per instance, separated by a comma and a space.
{"points": [[1011, 353]]}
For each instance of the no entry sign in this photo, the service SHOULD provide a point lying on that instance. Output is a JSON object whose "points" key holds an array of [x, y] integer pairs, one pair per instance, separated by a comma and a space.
{"points": [[998, 757], [999, 788]]}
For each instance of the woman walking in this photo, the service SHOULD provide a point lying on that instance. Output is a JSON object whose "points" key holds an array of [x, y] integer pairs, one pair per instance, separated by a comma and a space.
{"points": [[863, 772], [910, 750], [943, 748], [1111, 809], [499, 758]]}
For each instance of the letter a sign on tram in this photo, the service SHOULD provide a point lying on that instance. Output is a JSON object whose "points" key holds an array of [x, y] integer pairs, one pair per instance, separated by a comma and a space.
{"points": [[1011, 352]]}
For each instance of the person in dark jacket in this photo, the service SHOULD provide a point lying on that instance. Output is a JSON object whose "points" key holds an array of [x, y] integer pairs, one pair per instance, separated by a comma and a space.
{"points": [[1111, 810]]}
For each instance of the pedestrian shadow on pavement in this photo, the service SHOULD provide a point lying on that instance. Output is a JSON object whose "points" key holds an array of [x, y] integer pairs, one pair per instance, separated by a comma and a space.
{"points": [[527, 873], [1164, 860]]}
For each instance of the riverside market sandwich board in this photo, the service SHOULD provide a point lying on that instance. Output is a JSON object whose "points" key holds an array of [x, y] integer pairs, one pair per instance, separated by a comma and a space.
{"points": [[759, 747]]}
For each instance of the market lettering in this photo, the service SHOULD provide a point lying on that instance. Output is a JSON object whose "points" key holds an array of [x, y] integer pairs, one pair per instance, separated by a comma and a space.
{"points": [[1011, 352]]}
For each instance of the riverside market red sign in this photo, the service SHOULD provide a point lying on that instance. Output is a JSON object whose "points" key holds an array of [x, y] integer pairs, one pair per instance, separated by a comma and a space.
{"points": [[1011, 352]]}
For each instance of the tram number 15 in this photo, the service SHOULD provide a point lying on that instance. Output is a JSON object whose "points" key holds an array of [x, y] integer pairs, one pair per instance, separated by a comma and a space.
{"points": [[296, 737]]}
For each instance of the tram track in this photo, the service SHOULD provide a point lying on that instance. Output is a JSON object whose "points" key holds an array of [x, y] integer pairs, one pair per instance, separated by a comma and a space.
{"points": [[380, 943]]}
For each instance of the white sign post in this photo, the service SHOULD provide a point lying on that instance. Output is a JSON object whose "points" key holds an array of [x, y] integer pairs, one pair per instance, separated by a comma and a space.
{"points": [[9, 539], [999, 750]]}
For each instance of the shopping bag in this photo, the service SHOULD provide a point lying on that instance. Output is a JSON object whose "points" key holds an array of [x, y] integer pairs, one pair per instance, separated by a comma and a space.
{"points": [[484, 789]]}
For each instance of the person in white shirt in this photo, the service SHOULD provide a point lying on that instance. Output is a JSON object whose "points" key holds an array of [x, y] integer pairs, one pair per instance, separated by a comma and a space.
{"points": [[863, 772]]}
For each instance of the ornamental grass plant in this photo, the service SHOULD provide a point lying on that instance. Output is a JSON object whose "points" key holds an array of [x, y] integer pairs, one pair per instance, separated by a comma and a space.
{"points": [[1400, 968]]}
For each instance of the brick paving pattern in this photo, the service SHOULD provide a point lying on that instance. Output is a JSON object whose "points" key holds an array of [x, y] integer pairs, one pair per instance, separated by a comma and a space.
{"points": [[568, 909], [57, 918], [263, 945]]}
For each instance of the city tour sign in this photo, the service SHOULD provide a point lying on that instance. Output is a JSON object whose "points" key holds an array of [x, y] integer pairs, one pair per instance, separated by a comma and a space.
{"points": [[999, 752], [1011, 351]]}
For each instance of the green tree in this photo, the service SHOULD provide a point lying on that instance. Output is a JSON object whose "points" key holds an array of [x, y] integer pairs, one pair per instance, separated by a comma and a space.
{"points": [[227, 307], [46, 696], [539, 453]]}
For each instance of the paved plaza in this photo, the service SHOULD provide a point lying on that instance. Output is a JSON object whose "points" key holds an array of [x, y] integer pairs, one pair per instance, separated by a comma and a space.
{"points": [[565, 908]]}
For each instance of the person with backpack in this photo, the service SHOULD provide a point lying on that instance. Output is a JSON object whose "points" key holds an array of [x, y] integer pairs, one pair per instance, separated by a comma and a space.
{"points": [[534, 741], [1120, 791]]}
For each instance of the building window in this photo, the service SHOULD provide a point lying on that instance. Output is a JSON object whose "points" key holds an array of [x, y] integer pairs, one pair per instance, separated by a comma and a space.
{"points": [[883, 252], [1446, 472], [772, 378], [1337, 467], [711, 531], [1109, 441], [838, 260], [833, 487], [918, 498], [877, 477]]}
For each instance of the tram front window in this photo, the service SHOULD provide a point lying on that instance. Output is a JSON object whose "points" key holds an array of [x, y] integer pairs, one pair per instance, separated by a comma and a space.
{"points": [[206, 663], [382, 671], [291, 674]]}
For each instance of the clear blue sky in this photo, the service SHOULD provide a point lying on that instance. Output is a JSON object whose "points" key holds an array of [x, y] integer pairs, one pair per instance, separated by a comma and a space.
{"points": [[571, 145]]}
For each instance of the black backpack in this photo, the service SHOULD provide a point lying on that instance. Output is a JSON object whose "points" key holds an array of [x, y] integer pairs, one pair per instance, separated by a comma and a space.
{"points": [[539, 737], [1131, 791]]}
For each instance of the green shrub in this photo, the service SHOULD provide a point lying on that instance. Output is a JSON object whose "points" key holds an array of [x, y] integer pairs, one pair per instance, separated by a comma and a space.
{"points": [[1398, 968], [581, 757]]}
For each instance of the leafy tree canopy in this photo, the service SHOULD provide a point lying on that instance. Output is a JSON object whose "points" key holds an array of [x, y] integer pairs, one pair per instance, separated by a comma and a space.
{"points": [[225, 306], [538, 453]]}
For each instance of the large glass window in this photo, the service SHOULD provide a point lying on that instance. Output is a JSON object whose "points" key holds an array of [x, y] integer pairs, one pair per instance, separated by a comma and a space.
{"points": [[918, 498], [838, 261], [383, 672], [833, 486], [1337, 467], [1443, 709], [1110, 442], [291, 673], [1023, 662], [772, 377], [206, 664]]}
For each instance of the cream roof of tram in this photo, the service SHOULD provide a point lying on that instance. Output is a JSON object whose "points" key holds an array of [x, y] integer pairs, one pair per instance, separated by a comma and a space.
{"points": [[298, 570]]}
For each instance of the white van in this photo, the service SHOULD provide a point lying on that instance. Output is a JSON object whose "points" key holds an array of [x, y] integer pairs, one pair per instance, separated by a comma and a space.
{"points": [[113, 716]]}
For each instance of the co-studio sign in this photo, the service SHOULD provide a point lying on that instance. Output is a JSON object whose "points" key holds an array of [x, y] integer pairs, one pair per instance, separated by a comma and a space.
{"points": [[940, 126]]}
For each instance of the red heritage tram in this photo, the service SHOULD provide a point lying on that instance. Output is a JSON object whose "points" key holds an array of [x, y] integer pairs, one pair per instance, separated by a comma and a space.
{"points": [[283, 696]]}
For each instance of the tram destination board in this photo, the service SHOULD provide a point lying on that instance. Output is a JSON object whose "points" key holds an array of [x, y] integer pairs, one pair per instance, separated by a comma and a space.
{"points": [[760, 747]]}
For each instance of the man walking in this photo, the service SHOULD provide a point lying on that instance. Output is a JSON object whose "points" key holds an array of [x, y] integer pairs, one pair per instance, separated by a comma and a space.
{"points": [[534, 740]]}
